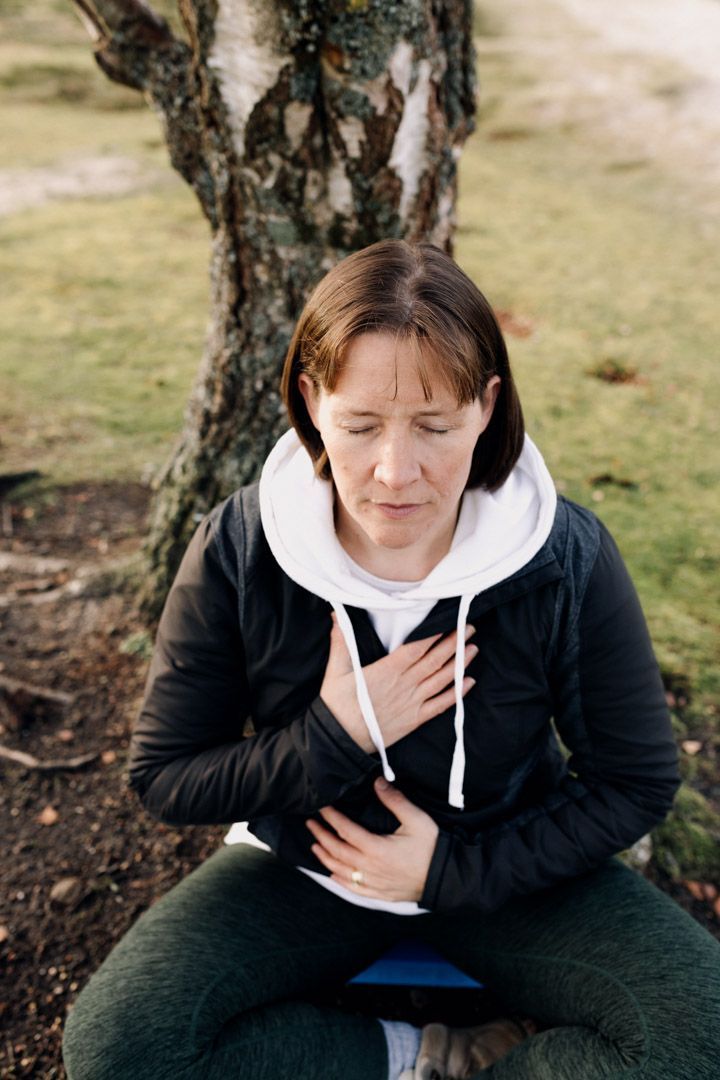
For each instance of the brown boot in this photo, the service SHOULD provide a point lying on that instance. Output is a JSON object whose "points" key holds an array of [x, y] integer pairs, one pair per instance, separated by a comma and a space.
{"points": [[458, 1053]]}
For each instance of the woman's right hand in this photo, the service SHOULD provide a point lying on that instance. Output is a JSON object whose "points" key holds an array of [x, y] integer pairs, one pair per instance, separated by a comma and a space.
{"points": [[408, 687]]}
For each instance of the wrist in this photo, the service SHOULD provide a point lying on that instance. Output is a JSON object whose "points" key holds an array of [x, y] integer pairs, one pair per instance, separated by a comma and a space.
{"points": [[354, 726]]}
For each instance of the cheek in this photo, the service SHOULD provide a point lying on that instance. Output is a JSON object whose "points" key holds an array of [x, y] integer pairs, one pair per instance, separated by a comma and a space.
{"points": [[346, 461], [451, 469]]}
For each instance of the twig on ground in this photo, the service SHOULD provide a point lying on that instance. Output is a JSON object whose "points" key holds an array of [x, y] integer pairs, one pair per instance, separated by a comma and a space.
{"points": [[31, 762], [17, 688]]}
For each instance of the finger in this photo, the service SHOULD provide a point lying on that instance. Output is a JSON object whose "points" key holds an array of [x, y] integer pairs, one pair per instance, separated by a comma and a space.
{"points": [[333, 844], [342, 870], [412, 651], [438, 704], [446, 675], [405, 811], [349, 831], [438, 655]]}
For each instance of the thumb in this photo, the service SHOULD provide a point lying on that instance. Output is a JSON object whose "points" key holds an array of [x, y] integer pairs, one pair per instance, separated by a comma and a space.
{"points": [[405, 811], [338, 662]]}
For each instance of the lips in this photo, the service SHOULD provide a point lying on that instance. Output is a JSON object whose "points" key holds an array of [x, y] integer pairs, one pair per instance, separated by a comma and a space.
{"points": [[398, 510]]}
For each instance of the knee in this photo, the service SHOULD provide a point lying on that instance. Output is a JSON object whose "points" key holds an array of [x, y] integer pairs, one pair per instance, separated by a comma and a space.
{"points": [[84, 1051], [108, 1036]]}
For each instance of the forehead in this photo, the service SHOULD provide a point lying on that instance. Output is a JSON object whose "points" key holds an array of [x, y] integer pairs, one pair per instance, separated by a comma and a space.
{"points": [[381, 372]]}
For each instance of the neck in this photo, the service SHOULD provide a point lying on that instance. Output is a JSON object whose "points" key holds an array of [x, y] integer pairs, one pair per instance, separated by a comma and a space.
{"points": [[413, 562]]}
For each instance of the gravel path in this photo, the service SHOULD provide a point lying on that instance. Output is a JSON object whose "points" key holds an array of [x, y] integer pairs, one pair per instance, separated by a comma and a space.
{"points": [[642, 77]]}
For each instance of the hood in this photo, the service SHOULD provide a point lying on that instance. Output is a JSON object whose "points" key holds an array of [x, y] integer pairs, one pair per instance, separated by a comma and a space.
{"points": [[497, 533]]}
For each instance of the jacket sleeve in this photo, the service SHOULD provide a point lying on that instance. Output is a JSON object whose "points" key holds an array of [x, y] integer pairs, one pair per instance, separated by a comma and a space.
{"points": [[611, 714], [189, 760]]}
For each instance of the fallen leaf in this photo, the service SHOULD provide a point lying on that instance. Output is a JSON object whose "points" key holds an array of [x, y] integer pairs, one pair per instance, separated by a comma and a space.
{"points": [[515, 325], [67, 892], [65, 735], [716, 907], [691, 746], [4, 933], [695, 889], [108, 757], [48, 816], [710, 891]]}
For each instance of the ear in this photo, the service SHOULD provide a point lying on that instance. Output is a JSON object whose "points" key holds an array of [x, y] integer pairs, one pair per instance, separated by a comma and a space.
{"points": [[310, 394], [489, 398]]}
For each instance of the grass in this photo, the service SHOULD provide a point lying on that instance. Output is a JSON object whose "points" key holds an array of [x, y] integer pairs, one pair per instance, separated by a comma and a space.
{"points": [[105, 300], [618, 276], [105, 334], [104, 305]]}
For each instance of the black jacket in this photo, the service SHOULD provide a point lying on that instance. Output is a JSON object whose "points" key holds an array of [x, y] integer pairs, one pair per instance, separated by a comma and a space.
{"points": [[232, 727]]}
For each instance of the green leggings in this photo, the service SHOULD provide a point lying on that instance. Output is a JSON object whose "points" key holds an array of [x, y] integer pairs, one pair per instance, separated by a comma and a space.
{"points": [[210, 981]]}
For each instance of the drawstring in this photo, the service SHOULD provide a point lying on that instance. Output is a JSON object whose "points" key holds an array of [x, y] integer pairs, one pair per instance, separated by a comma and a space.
{"points": [[457, 769], [366, 706]]}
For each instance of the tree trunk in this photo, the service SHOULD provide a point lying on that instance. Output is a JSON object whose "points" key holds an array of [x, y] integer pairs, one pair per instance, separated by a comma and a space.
{"points": [[308, 129]]}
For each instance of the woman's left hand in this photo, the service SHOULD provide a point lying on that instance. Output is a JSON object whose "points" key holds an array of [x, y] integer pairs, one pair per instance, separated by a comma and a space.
{"points": [[392, 867]]}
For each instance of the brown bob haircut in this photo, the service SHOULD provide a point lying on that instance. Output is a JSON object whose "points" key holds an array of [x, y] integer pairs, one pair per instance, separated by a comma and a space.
{"points": [[419, 293]]}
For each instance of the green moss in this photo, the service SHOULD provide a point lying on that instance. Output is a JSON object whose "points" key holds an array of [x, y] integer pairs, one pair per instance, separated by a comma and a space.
{"points": [[138, 644], [687, 844]]}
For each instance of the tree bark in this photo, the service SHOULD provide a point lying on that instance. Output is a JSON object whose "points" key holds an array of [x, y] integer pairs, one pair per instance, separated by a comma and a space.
{"points": [[308, 129]]}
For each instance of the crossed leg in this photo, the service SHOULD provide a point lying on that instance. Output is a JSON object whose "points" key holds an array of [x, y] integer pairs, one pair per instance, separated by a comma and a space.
{"points": [[210, 981], [624, 983], [213, 981]]}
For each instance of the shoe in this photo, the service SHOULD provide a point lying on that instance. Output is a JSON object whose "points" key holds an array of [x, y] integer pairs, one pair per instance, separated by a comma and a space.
{"points": [[458, 1053]]}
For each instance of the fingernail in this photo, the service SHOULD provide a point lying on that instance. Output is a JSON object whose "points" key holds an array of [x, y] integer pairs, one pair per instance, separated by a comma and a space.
{"points": [[382, 784], [469, 631]]}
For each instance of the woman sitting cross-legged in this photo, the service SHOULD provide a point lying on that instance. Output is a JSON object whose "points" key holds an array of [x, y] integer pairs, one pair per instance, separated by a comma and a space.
{"points": [[407, 613]]}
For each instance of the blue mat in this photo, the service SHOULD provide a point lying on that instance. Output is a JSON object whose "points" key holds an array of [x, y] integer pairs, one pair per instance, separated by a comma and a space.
{"points": [[413, 964]]}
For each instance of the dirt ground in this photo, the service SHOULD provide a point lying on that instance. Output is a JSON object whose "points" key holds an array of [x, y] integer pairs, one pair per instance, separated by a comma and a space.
{"points": [[82, 858]]}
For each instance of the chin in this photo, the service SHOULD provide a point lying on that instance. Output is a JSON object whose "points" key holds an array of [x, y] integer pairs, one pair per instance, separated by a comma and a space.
{"points": [[397, 534]]}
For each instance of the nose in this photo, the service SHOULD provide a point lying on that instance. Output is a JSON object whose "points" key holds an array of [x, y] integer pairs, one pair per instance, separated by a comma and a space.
{"points": [[397, 465]]}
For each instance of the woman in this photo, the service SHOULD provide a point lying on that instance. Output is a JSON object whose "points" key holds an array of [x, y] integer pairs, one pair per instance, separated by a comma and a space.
{"points": [[400, 607]]}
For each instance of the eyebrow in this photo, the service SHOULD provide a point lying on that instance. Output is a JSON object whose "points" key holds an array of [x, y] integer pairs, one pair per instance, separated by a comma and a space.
{"points": [[356, 413]]}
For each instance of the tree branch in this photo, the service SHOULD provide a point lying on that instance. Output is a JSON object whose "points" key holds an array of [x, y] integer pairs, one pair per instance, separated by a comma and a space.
{"points": [[136, 47], [129, 38]]}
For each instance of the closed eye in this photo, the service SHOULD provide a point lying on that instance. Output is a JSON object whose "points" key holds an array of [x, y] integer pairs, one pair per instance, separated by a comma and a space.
{"points": [[429, 430]]}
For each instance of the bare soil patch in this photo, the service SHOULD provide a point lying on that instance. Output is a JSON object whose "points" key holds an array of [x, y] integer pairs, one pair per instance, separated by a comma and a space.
{"points": [[81, 858], [76, 178]]}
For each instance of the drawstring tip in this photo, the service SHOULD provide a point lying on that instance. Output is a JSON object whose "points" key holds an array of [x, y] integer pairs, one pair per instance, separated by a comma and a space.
{"points": [[457, 801]]}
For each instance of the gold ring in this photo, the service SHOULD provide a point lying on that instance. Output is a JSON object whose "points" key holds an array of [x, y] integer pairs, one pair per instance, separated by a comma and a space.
{"points": [[357, 877]]}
